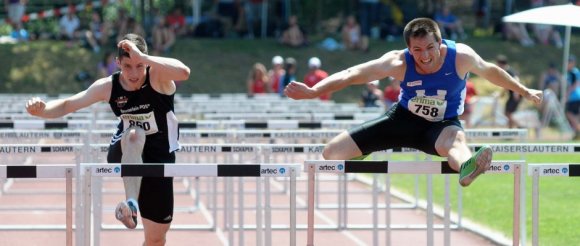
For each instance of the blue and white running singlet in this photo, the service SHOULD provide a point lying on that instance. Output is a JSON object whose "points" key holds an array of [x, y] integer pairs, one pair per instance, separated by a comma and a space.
{"points": [[436, 96]]}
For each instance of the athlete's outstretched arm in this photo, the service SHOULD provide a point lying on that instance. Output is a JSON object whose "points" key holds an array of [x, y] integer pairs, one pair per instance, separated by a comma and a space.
{"points": [[98, 91], [360, 74], [495, 74], [166, 69]]}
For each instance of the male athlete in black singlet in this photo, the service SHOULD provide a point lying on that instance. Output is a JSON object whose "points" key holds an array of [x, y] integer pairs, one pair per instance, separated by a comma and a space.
{"points": [[141, 95]]}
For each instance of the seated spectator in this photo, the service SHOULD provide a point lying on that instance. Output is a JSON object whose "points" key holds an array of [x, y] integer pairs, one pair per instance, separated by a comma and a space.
{"points": [[545, 33], [163, 37], [315, 75], [573, 96], [293, 35], [391, 92], [131, 26], [95, 34], [372, 96], [108, 65], [450, 25], [289, 74], [519, 33], [15, 10], [176, 22], [228, 12], [258, 81], [69, 25], [352, 36], [550, 79], [276, 73], [470, 99]]}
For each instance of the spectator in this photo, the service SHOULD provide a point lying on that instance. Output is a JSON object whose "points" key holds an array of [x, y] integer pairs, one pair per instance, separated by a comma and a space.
{"points": [[176, 22], [253, 15], [514, 99], [550, 79], [470, 99], [293, 35], [258, 81], [372, 96], [229, 14], [108, 65], [276, 73], [368, 14], [15, 10], [163, 37], [351, 35], [519, 33], [391, 92], [315, 75], [95, 34], [449, 24], [573, 95], [131, 26], [289, 74], [544, 33], [69, 25]]}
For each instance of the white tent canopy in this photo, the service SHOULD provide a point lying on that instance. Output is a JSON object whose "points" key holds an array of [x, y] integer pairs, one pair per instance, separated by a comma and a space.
{"points": [[563, 15]]}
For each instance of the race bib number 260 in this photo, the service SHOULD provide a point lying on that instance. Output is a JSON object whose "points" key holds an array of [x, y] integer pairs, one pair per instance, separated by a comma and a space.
{"points": [[144, 121]]}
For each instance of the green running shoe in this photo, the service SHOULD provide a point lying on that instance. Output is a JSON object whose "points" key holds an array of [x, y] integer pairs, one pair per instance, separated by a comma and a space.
{"points": [[476, 165]]}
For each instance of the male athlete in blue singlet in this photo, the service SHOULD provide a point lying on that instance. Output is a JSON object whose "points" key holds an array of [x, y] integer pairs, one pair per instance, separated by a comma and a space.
{"points": [[141, 95], [433, 74]]}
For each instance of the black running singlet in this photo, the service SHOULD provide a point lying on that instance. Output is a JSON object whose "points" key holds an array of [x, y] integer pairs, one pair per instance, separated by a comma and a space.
{"points": [[148, 109]]}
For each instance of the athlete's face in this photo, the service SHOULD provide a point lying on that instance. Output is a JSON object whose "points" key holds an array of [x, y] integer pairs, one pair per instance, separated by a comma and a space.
{"points": [[427, 53], [132, 71]]}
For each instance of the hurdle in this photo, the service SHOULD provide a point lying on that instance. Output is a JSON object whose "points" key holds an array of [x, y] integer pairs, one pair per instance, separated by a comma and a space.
{"points": [[193, 170], [546, 170], [42, 172], [405, 167]]}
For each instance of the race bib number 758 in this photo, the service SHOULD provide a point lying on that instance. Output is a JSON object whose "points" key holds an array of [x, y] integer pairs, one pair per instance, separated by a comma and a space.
{"points": [[144, 121], [431, 108]]}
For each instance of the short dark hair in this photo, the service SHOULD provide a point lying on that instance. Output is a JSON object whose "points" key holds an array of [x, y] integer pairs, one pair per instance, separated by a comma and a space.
{"points": [[421, 27], [137, 40]]}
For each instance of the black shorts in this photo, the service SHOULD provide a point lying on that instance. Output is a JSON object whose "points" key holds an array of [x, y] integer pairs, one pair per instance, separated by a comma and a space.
{"points": [[400, 128], [156, 194], [573, 107]]}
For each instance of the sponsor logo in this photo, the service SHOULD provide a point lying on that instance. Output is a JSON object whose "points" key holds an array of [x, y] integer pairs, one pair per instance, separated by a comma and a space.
{"points": [[446, 74], [414, 83], [552, 171], [117, 169], [61, 149], [121, 101], [331, 167], [282, 170], [506, 167], [564, 170], [104, 170], [494, 168]]}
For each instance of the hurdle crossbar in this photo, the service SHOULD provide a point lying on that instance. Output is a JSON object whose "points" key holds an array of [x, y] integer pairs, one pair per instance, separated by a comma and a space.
{"points": [[546, 170], [191, 170], [404, 167]]}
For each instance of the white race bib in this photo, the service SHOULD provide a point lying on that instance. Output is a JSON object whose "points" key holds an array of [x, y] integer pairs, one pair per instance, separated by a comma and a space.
{"points": [[144, 121], [430, 108]]}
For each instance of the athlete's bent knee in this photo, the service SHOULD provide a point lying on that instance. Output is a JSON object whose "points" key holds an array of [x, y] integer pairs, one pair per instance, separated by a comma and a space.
{"points": [[328, 153]]}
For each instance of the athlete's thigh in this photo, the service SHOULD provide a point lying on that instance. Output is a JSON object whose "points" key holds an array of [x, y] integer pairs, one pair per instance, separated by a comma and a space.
{"points": [[396, 128], [442, 136], [156, 194], [341, 147]]}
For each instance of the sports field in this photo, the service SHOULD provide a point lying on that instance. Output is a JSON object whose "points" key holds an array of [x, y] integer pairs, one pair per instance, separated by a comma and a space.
{"points": [[489, 200]]}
